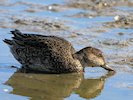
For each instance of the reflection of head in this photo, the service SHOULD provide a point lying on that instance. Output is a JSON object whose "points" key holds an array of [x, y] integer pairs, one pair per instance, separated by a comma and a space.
{"points": [[44, 86], [90, 88]]}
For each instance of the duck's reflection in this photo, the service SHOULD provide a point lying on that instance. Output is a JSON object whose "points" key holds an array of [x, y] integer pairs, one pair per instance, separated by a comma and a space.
{"points": [[90, 88], [55, 87]]}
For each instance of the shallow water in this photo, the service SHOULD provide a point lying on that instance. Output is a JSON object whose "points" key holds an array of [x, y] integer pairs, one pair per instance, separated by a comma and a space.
{"points": [[83, 23]]}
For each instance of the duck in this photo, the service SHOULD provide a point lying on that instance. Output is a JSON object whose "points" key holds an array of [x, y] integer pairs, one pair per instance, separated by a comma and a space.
{"points": [[52, 54]]}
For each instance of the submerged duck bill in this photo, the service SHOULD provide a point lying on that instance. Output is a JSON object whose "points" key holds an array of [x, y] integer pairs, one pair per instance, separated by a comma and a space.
{"points": [[107, 68]]}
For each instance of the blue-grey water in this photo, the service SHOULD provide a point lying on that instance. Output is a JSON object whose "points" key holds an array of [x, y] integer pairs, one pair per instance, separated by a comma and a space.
{"points": [[83, 23]]}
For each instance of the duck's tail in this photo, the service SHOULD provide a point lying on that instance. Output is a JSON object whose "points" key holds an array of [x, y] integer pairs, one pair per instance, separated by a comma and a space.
{"points": [[9, 42], [16, 34]]}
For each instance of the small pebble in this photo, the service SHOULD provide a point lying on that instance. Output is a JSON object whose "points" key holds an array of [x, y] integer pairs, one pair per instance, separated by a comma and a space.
{"points": [[5, 90], [50, 7], [116, 18], [105, 4]]}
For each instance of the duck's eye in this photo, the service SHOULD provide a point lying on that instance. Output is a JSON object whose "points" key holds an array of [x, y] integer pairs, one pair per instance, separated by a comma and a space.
{"points": [[99, 55]]}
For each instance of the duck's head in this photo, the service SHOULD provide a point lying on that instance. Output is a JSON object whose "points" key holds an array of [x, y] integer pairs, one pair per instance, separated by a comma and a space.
{"points": [[92, 57]]}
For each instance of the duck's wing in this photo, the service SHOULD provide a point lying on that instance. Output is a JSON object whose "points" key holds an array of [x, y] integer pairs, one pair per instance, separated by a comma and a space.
{"points": [[40, 41]]}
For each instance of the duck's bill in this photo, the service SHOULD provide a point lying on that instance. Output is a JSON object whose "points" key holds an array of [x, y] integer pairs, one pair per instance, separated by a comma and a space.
{"points": [[107, 67]]}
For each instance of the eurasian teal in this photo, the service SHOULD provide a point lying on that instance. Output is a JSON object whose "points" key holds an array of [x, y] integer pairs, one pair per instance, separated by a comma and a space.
{"points": [[52, 54]]}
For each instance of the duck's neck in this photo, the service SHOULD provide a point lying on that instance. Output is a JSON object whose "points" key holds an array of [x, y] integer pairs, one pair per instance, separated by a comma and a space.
{"points": [[80, 56]]}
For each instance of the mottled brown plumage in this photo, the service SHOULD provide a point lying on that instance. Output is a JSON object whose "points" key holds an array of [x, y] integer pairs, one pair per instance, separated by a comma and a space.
{"points": [[52, 54]]}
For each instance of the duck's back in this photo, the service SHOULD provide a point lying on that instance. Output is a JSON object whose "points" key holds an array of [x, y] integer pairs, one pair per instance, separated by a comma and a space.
{"points": [[44, 53]]}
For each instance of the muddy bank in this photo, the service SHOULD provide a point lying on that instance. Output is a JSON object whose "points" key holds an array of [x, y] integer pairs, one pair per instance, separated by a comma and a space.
{"points": [[121, 22]]}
